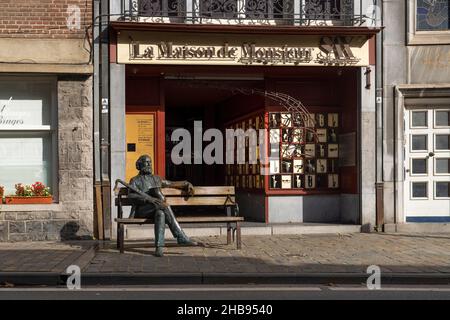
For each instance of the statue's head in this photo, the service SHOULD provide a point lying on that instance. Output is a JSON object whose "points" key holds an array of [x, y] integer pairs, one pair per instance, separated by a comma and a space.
{"points": [[144, 164]]}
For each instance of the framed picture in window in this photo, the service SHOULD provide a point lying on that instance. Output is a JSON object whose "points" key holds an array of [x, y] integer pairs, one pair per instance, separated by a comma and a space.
{"points": [[310, 181], [310, 150], [274, 120], [298, 181], [320, 120], [286, 182], [275, 181], [298, 166], [333, 181], [333, 120], [321, 165], [321, 135], [286, 119], [333, 150]]}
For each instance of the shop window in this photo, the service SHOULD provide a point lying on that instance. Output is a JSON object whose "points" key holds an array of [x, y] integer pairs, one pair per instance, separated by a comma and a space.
{"points": [[27, 131]]}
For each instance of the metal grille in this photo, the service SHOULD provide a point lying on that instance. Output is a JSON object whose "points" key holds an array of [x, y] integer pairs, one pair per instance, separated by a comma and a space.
{"points": [[251, 12]]}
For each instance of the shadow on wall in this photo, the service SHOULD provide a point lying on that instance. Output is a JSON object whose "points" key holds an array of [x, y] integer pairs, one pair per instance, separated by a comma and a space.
{"points": [[69, 232]]}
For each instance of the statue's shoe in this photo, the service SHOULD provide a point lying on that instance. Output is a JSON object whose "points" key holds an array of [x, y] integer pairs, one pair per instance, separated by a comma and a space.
{"points": [[159, 252], [186, 242]]}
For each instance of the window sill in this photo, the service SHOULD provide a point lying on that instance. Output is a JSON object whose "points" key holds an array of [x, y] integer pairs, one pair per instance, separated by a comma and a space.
{"points": [[30, 207]]}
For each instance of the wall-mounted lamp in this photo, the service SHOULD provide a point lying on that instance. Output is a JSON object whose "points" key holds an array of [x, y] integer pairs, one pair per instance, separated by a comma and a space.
{"points": [[367, 74]]}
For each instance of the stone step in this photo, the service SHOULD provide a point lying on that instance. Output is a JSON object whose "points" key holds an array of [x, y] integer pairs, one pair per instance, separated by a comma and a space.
{"points": [[136, 232]]}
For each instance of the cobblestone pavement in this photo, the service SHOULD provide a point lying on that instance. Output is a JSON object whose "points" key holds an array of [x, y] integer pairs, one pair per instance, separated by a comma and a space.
{"points": [[39, 256], [284, 254], [259, 254]]}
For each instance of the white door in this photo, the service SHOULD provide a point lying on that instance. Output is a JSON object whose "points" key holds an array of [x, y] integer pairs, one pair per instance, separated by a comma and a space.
{"points": [[427, 165]]}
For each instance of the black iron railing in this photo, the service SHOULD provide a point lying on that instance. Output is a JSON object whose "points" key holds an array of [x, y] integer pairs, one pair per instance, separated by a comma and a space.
{"points": [[250, 12]]}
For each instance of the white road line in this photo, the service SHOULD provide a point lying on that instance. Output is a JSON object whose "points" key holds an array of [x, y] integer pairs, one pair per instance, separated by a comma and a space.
{"points": [[158, 289], [391, 289]]}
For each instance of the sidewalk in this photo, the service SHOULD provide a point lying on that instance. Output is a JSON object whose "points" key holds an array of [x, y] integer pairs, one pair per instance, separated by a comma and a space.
{"points": [[315, 258]]}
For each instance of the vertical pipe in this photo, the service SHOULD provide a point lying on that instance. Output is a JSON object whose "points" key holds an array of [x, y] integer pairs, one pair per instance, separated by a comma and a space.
{"points": [[104, 116], [96, 120], [379, 118]]}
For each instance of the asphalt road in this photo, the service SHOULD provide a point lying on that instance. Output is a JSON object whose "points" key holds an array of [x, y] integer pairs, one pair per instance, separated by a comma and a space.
{"points": [[255, 292]]}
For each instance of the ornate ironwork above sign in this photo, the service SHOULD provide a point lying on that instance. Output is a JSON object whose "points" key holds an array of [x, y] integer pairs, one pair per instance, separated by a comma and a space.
{"points": [[295, 51], [249, 12]]}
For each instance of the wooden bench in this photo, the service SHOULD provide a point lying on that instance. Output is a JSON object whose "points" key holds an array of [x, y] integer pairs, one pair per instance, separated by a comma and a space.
{"points": [[204, 196]]}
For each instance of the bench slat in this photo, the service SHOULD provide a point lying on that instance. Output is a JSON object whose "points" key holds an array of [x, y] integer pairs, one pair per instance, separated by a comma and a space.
{"points": [[183, 219], [201, 191], [200, 201]]}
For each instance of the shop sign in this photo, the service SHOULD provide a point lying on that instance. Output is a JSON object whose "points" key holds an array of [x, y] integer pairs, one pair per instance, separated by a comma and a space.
{"points": [[324, 51], [19, 113]]}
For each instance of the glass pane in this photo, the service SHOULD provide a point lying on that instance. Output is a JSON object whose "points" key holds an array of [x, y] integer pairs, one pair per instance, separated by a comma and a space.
{"points": [[419, 166], [419, 142], [25, 158], [432, 15], [442, 142], [419, 119], [443, 165], [443, 118], [24, 103], [419, 190], [442, 189]]}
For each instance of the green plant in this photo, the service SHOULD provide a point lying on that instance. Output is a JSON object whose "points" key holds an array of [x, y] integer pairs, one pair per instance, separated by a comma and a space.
{"points": [[23, 190]]}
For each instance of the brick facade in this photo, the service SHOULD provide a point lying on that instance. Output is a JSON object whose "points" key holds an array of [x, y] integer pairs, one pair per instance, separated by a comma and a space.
{"points": [[44, 19]]}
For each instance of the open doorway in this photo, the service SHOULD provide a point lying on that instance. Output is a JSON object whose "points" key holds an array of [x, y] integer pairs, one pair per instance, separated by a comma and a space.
{"points": [[213, 103]]}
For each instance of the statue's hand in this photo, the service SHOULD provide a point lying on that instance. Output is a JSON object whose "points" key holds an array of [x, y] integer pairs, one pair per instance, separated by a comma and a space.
{"points": [[190, 189]]}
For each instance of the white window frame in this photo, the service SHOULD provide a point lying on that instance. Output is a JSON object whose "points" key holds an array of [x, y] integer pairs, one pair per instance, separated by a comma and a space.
{"points": [[435, 197], [435, 166], [411, 143], [51, 129], [415, 37], [419, 198], [434, 119]]}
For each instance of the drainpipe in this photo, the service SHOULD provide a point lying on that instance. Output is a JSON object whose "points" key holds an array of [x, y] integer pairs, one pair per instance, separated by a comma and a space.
{"points": [[104, 118], [96, 123], [379, 122]]}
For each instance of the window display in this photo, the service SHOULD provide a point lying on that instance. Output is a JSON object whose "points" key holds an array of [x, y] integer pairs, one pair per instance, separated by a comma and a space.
{"points": [[308, 151], [303, 153]]}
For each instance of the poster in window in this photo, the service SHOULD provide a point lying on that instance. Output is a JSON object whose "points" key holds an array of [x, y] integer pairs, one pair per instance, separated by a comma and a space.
{"points": [[298, 166], [333, 120], [320, 120], [333, 151], [298, 181], [310, 166], [274, 120], [321, 135], [310, 181], [275, 181], [321, 165], [286, 181], [310, 150], [286, 120], [333, 181]]}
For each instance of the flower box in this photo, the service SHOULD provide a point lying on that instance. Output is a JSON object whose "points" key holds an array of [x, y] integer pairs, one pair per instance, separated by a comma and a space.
{"points": [[28, 200]]}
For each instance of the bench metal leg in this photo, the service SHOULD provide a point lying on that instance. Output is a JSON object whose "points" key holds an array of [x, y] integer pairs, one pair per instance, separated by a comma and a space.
{"points": [[229, 230], [121, 237], [238, 236]]}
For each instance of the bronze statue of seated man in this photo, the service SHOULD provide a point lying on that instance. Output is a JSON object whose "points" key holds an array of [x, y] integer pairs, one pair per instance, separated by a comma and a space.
{"points": [[145, 207]]}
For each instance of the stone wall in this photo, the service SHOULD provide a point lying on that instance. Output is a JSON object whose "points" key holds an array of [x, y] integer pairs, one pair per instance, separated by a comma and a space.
{"points": [[72, 216]]}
